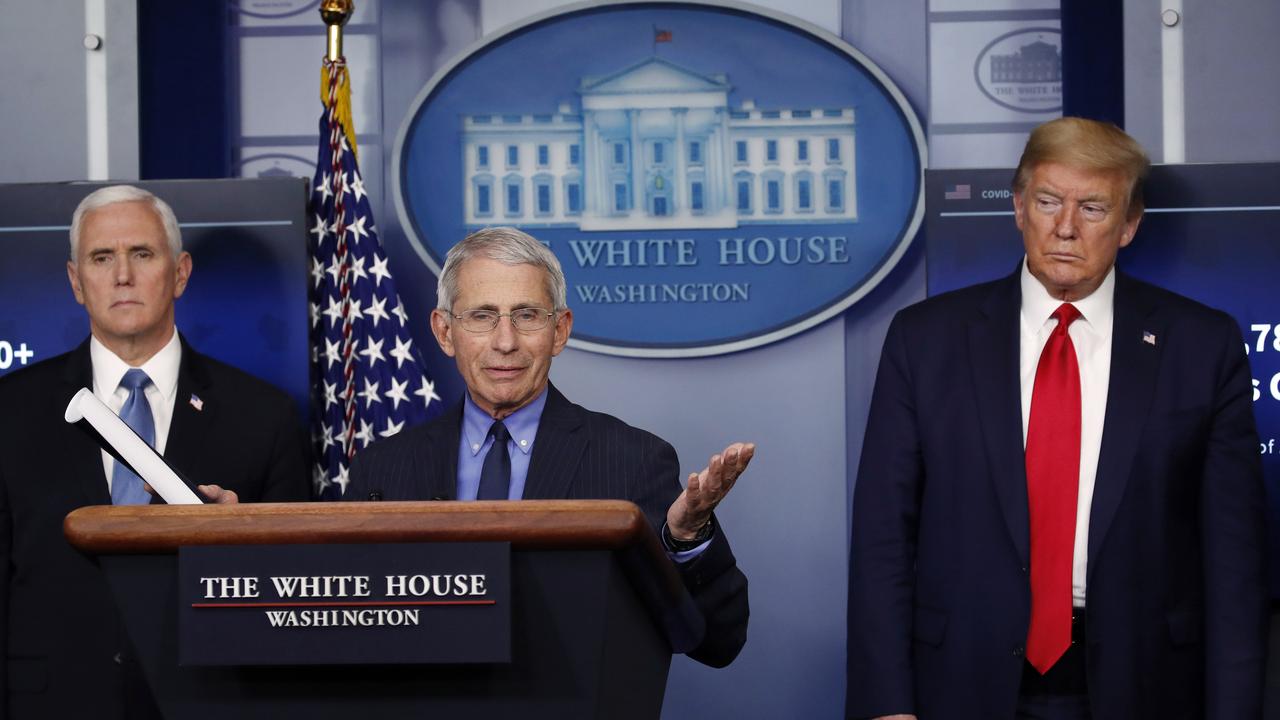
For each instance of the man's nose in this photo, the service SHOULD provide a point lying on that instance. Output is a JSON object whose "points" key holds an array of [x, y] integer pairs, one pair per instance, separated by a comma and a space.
{"points": [[1065, 224], [504, 336], [124, 270]]}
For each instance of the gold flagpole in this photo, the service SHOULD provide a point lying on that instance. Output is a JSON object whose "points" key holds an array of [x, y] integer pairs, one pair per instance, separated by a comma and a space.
{"points": [[335, 14]]}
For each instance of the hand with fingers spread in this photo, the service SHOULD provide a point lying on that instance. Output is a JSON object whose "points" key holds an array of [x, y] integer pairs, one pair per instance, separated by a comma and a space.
{"points": [[692, 509]]}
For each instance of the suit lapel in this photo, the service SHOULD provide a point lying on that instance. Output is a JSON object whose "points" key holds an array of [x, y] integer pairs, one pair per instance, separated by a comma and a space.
{"points": [[84, 461], [557, 449], [195, 415], [993, 353], [1134, 366]]}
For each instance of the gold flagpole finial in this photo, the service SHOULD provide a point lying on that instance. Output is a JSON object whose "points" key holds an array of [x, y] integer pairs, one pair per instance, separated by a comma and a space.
{"points": [[335, 14]]}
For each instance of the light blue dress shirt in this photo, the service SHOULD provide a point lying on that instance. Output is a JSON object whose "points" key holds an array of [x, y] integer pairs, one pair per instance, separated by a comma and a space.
{"points": [[475, 443]]}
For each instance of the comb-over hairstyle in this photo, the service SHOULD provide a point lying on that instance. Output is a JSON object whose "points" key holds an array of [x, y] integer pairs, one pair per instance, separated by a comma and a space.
{"points": [[1087, 145]]}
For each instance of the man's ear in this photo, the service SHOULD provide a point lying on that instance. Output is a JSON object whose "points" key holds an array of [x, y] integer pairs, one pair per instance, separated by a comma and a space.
{"points": [[73, 276], [183, 274], [442, 329], [564, 326], [1130, 229]]}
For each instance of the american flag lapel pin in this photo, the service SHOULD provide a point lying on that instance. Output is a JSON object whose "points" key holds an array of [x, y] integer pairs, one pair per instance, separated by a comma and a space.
{"points": [[1149, 338], [196, 402]]}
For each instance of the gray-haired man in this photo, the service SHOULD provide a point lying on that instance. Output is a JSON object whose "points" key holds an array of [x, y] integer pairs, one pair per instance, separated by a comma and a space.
{"points": [[502, 316]]}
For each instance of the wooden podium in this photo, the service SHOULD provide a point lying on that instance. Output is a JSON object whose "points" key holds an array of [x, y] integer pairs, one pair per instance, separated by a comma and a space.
{"points": [[597, 609]]}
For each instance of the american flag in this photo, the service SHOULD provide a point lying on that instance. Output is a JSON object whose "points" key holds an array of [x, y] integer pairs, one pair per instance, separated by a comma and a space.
{"points": [[368, 378]]}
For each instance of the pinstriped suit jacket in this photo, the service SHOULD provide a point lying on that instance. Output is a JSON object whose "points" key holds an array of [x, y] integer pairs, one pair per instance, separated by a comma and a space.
{"points": [[577, 455]]}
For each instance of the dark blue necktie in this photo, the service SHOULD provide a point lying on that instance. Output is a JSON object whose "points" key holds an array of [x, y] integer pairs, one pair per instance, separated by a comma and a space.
{"points": [[126, 487], [495, 474]]}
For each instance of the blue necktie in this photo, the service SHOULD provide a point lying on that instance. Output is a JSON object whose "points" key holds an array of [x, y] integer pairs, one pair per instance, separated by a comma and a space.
{"points": [[126, 487], [495, 474]]}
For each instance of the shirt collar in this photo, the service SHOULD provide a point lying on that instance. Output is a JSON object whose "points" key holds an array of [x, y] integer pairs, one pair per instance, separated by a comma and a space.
{"points": [[1097, 309], [522, 424], [162, 368]]}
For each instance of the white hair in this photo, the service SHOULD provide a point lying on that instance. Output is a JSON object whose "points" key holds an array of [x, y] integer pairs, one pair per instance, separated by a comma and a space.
{"points": [[508, 246], [113, 194]]}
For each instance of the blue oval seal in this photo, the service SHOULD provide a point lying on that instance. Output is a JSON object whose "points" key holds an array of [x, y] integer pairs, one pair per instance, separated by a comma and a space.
{"points": [[712, 177]]}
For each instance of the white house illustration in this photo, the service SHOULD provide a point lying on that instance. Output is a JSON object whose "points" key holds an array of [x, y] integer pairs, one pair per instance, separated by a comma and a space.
{"points": [[657, 146]]}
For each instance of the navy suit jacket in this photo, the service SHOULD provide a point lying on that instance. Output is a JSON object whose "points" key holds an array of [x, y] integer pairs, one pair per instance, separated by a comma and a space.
{"points": [[65, 652], [580, 455], [939, 598]]}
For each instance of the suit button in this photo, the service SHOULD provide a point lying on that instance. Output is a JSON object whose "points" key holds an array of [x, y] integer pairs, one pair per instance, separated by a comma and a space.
{"points": [[1024, 569], [117, 659], [1017, 651]]}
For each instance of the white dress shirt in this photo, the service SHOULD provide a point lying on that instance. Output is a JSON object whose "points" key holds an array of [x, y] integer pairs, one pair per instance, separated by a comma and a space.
{"points": [[162, 368], [1091, 336]]}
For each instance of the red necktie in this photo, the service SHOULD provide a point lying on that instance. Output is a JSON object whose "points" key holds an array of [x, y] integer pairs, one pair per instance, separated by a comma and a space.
{"points": [[1053, 478]]}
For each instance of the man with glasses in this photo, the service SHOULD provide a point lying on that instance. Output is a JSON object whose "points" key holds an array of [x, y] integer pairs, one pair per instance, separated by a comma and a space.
{"points": [[502, 315]]}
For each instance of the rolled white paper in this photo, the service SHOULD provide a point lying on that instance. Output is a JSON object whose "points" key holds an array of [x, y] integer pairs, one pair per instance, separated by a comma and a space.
{"points": [[148, 463]]}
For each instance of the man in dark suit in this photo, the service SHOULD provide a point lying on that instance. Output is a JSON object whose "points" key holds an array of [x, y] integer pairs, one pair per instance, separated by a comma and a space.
{"points": [[65, 651], [1058, 512], [502, 315]]}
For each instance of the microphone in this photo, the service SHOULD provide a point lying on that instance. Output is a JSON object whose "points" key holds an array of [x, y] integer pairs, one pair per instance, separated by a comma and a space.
{"points": [[375, 495]]}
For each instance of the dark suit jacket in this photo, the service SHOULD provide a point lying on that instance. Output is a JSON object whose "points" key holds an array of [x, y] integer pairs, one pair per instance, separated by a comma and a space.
{"points": [[65, 653], [939, 598], [577, 454]]}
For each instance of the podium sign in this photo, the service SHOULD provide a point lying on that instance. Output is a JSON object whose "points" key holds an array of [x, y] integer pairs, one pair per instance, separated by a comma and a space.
{"points": [[344, 604]]}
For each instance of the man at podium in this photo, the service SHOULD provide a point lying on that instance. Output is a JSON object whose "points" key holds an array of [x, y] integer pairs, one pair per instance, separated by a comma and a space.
{"points": [[64, 652], [502, 315]]}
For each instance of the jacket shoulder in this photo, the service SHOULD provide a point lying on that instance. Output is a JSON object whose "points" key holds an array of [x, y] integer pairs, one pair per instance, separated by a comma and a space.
{"points": [[404, 444], [954, 305], [35, 380], [228, 378], [616, 431], [1177, 307]]}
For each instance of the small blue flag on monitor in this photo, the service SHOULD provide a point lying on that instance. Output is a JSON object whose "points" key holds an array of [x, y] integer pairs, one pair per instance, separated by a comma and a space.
{"points": [[368, 378]]}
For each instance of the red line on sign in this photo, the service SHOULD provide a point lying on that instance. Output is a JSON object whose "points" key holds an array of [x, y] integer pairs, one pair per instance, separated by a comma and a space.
{"points": [[373, 603]]}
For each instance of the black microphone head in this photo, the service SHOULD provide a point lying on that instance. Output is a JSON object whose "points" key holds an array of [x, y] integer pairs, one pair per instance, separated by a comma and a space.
{"points": [[375, 494]]}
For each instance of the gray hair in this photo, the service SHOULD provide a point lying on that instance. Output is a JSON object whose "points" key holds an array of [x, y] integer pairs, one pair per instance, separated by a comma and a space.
{"points": [[508, 246], [113, 194]]}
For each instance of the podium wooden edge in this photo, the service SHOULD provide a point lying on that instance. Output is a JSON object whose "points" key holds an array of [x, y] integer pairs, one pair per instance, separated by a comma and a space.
{"points": [[541, 524], [615, 525]]}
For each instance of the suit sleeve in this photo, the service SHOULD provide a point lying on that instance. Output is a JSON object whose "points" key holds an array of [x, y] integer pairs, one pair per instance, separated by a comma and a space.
{"points": [[286, 475], [882, 556], [1234, 542], [718, 587]]}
